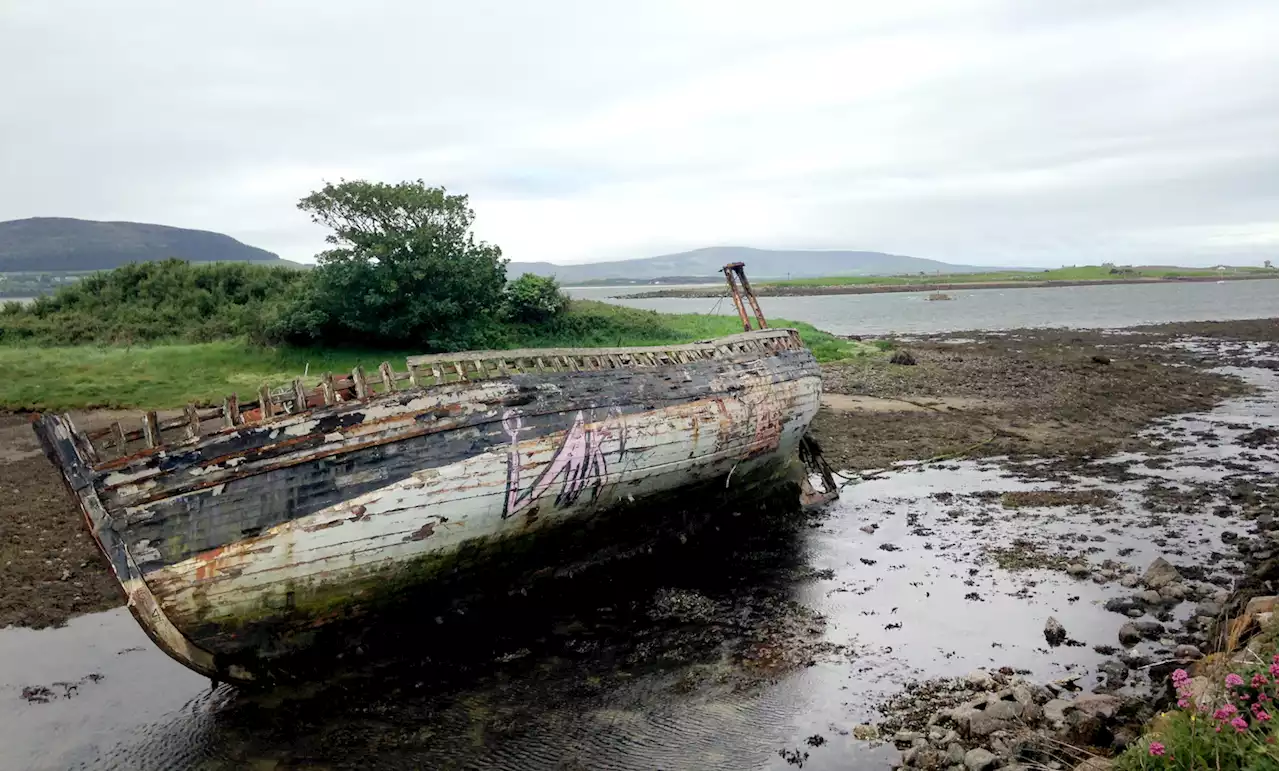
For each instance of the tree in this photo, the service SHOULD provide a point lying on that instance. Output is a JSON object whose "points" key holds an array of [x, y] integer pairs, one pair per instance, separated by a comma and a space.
{"points": [[534, 299], [405, 269]]}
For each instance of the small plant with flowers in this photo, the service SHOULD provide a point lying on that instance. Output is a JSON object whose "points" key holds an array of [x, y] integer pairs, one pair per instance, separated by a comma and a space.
{"points": [[1236, 731]]}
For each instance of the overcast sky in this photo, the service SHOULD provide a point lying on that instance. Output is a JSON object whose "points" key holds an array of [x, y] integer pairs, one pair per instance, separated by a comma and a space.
{"points": [[1028, 132]]}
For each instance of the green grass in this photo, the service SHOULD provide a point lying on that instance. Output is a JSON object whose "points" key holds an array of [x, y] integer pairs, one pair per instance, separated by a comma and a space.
{"points": [[1082, 273], [170, 375]]}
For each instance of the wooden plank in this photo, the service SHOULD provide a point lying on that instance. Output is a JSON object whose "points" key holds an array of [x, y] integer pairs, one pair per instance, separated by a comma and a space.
{"points": [[265, 408], [299, 395], [414, 378], [533, 352], [193, 421], [326, 386], [231, 411], [121, 441], [388, 376], [151, 429], [361, 384]]}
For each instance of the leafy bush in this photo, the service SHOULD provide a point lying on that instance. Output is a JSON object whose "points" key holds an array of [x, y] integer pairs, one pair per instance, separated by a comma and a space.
{"points": [[152, 301], [534, 299], [405, 270]]}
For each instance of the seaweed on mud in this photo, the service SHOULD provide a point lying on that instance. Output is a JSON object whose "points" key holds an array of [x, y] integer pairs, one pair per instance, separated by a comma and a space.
{"points": [[1043, 498]]}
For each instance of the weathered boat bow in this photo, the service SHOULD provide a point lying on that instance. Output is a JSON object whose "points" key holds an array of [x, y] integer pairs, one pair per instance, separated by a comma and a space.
{"points": [[242, 533]]}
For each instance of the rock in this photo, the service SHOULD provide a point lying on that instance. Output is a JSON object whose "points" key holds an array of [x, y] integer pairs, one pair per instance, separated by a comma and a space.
{"points": [[928, 759], [904, 358], [1122, 738], [1099, 578], [1174, 592], [1122, 604], [1108, 574], [865, 732], [983, 724], [1116, 673], [1187, 652], [1159, 573], [1129, 581], [1204, 622], [1031, 713], [1055, 711], [962, 717], [1004, 710], [1129, 634], [978, 759], [1133, 660], [980, 679], [1098, 358], [1150, 629], [906, 737], [909, 756], [949, 738], [1209, 608], [1077, 570], [1101, 705], [1054, 632], [66, 575], [1022, 694], [1259, 605], [1151, 597], [1094, 764], [955, 754]]}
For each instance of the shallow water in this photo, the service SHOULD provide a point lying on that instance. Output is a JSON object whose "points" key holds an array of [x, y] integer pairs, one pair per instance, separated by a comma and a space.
{"points": [[733, 652], [1113, 305]]}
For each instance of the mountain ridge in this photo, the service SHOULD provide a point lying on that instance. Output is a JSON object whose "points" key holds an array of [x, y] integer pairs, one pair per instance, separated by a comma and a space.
{"points": [[761, 263], [72, 244]]}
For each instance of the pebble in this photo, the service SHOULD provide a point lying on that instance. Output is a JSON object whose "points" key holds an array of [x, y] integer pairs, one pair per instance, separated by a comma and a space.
{"points": [[1151, 597], [1077, 570], [1187, 652], [978, 759], [1054, 632], [1129, 581], [1129, 634], [1209, 608]]}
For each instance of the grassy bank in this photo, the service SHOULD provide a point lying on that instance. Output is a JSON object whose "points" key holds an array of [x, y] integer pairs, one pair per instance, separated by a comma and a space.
{"points": [[172, 374], [1082, 273]]}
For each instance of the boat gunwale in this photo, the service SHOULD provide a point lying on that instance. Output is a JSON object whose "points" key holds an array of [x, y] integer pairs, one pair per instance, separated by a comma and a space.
{"points": [[711, 346]]}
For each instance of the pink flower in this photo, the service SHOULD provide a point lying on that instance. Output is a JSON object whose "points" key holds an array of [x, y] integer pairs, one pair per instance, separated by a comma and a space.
{"points": [[1239, 724], [1260, 714], [1180, 676], [1263, 697], [1233, 679], [1156, 749], [1259, 681], [1224, 712], [1183, 703]]}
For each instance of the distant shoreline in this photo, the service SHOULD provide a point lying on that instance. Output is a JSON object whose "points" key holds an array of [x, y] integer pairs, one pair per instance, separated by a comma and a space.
{"points": [[767, 290]]}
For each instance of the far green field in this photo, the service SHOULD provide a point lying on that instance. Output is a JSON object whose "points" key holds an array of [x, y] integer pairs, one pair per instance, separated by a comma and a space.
{"points": [[169, 375], [1082, 273]]}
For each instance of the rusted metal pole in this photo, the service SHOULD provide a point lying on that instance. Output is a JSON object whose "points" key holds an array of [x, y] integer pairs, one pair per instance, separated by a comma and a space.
{"points": [[751, 296], [729, 271]]}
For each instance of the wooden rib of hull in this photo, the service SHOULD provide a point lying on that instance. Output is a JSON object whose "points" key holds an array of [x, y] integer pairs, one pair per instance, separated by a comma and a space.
{"points": [[235, 547]]}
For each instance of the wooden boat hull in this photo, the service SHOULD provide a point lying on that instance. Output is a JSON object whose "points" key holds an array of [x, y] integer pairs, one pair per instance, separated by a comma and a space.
{"points": [[239, 548]]}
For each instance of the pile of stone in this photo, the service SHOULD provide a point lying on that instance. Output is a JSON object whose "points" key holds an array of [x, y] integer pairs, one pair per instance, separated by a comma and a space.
{"points": [[1008, 722]]}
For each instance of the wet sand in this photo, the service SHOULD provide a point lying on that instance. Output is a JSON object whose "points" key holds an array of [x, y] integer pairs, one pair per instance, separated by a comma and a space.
{"points": [[762, 641]]}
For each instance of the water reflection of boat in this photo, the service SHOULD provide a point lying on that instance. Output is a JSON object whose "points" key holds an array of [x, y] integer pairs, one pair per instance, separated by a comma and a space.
{"points": [[240, 532]]}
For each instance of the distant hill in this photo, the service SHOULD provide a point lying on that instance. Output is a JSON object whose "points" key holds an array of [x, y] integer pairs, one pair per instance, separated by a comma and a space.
{"points": [[62, 243], [761, 263]]}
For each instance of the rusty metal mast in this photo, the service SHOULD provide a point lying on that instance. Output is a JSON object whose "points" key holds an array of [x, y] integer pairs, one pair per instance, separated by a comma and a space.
{"points": [[734, 274]]}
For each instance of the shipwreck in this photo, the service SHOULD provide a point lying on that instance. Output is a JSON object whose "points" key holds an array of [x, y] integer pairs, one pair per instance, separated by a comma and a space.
{"points": [[240, 533]]}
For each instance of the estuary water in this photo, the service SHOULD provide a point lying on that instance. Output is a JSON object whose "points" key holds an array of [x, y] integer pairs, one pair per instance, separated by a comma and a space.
{"points": [[1113, 305]]}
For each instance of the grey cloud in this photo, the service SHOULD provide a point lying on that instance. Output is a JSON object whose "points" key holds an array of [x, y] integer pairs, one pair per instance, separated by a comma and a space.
{"points": [[1041, 130]]}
